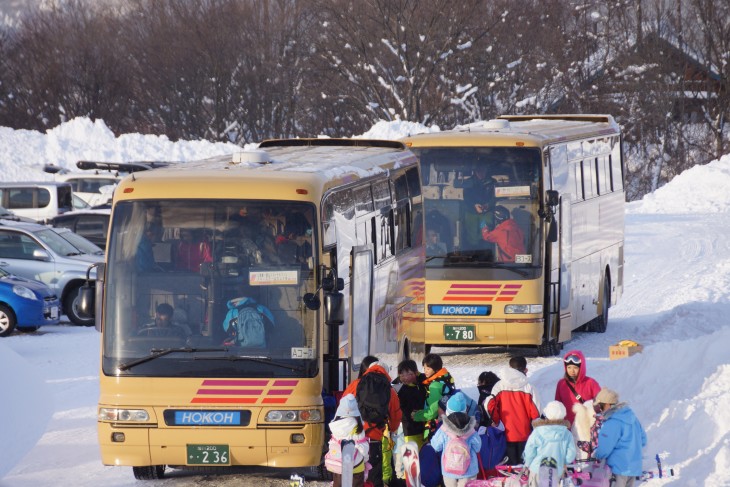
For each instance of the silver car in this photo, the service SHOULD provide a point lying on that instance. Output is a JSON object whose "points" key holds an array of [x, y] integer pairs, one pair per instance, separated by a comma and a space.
{"points": [[38, 252]]}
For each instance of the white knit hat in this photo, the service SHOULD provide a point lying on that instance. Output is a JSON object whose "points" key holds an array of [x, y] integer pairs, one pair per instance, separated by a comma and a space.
{"points": [[554, 411], [348, 407]]}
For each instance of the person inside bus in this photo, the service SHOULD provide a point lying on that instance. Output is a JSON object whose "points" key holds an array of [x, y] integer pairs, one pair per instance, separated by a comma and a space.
{"points": [[144, 259], [294, 244], [191, 251], [163, 324], [434, 246], [479, 200], [507, 235]]}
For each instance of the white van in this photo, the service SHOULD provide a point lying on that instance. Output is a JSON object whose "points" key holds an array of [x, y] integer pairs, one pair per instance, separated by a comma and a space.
{"points": [[40, 201], [94, 188]]}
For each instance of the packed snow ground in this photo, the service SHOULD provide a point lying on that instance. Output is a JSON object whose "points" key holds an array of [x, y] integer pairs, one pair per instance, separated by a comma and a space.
{"points": [[675, 303]]}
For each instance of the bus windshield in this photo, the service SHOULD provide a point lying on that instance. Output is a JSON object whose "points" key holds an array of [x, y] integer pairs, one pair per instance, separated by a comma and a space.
{"points": [[481, 206], [210, 288]]}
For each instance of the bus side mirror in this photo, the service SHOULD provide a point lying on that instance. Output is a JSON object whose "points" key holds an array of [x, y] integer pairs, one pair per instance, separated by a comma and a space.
{"points": [[552, 198], [334, 309], [86, 300]]}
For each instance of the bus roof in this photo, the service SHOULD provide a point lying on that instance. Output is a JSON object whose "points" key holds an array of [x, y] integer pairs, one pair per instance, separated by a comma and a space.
{"points": [[520, 130], [277, 169]]}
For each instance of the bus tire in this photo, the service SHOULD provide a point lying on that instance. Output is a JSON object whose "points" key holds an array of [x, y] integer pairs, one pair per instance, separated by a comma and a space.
{"points": [[153, 472], [600, 323], [548, 348]]}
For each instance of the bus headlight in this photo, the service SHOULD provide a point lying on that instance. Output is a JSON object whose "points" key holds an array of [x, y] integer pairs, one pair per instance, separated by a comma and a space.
{"points": [[512, 309], [124, 415], [293, 416]]}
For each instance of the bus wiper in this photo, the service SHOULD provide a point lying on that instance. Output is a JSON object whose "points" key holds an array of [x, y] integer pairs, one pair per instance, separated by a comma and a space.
{"points": [[161, 352], [260, 359]]}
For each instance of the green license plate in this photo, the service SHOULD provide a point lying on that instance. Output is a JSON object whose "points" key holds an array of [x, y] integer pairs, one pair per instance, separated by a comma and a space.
{"points": [[459, 332], [208, 455]]}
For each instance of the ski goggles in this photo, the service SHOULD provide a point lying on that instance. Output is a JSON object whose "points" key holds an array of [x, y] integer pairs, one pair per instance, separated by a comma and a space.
{"points": [[572, 360]]}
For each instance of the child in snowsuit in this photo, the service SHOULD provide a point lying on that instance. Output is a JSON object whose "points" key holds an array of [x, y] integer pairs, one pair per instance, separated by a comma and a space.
{"points": [[412, 396], [485, 384], [380, 459], [456, 469], [440, 384], [514, 403], [575, 386], [590, 445], [550, 439], [621, 439], [347, 425]]}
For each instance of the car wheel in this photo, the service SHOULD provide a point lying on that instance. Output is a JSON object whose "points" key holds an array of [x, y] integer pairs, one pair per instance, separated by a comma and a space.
{"points": [[71, 308], [7, 321]]}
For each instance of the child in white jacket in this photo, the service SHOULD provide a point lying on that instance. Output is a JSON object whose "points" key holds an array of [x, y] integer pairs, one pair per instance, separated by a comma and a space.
{"points": [[550, 442], [347, 425]]}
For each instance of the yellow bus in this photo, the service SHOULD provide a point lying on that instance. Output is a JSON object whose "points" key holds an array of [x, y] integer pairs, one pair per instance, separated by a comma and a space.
{"points": [[524, 220], [239, 288]]}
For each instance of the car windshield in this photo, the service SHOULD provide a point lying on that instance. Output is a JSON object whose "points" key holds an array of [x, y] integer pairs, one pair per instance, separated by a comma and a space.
{"points": [[79, 242], [210, 288], [58, 244], [481, 207]]}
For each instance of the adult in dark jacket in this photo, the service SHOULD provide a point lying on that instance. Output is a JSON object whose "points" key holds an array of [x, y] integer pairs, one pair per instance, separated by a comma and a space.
{"points": [[575, 386], [620, 439]]}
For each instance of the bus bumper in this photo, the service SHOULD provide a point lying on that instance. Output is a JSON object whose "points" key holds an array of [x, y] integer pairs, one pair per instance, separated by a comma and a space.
{"points": [[144, 446], [493, 333]]}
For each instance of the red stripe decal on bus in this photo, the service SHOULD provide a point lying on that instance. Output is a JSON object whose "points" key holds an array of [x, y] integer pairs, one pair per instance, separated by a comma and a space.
{"points": [[279, 392], [233, 392], [470, 298], [231, 382], [475, 293], [274, 400], [223, 400], [285, 383]]}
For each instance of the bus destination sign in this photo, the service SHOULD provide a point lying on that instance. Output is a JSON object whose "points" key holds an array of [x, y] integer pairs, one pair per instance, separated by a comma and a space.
{"points": [[459, 310]]}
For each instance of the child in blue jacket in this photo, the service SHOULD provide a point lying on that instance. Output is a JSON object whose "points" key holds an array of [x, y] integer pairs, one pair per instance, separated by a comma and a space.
{"points": [[550, 439], [620, 440], [457, 424]]}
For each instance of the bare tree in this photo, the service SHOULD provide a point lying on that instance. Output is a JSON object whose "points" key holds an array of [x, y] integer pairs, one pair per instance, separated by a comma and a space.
{"points": [[60, 65]]}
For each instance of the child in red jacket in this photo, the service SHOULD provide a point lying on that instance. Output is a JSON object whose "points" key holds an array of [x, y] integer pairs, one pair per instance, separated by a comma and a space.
{"points": [[514, 403], [575, 386]]}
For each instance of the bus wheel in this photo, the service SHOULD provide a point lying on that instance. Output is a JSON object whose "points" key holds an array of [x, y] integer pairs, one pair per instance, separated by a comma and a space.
{"points": [[153, 472], [548, 348], [600, 323]]}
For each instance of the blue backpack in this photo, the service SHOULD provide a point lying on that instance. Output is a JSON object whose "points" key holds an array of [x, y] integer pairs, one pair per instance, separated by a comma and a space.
{"points": [[245, 324], [494, 446]]}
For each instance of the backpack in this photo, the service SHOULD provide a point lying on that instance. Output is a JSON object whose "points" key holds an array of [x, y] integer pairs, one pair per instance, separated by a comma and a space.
{"points": [[457, 456], [494, 447], [430, 466], [245, 323], [373, 397], [333, 458]]}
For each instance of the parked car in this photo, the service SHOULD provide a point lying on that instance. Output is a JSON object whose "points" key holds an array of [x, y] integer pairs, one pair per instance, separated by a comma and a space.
{"points": [[6, 214], [91, 224], [38, 252], [81, 243], [94, 188], [40, 200], [25, 304]]}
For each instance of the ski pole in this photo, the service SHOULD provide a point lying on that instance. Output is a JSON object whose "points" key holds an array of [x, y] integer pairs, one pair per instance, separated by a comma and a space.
{"points": [[659, 465]]}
